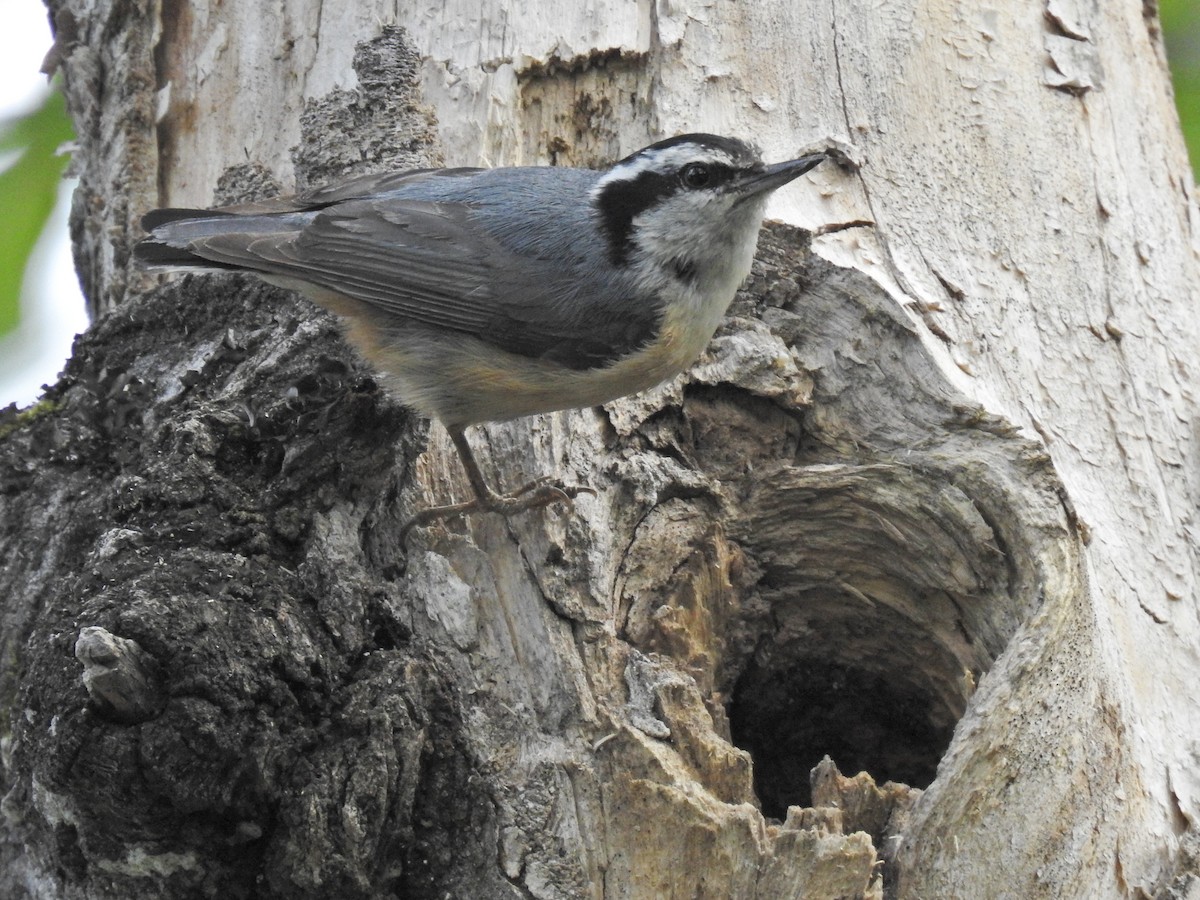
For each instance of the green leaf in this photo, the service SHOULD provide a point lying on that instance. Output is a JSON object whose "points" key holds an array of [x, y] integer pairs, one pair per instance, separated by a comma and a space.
{"points": [[28, 191], [1181, 33]]}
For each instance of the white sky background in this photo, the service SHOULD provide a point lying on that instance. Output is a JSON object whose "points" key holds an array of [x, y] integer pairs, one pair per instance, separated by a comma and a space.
{"points": [[52, 310]]}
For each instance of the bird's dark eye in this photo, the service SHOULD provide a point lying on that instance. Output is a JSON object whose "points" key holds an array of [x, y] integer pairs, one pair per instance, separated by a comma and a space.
{"points": [[695, 175]]}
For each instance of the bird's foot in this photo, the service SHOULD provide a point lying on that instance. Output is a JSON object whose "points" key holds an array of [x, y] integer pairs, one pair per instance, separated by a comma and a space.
{"points": [[535, 495]]}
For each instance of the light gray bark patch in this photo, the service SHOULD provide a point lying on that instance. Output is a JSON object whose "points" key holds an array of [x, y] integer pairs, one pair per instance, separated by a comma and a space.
{"points": [[381, 124]]}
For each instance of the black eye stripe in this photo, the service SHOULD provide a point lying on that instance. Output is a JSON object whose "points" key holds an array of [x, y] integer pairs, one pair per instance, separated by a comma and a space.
{"points": [[620, 202]]}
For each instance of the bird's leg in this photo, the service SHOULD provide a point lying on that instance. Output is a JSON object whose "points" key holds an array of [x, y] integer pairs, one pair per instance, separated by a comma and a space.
{"points": [[535, 495]]}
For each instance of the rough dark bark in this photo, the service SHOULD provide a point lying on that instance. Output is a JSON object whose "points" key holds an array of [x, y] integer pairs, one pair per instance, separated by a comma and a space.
{"points": [[183, 483]]}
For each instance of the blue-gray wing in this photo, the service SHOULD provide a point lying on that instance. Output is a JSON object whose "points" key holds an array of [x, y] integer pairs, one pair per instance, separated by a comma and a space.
{"points": [[431, 262]]}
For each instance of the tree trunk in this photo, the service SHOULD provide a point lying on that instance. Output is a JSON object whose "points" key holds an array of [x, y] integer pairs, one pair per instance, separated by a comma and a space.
{"points": [[926, 507]]}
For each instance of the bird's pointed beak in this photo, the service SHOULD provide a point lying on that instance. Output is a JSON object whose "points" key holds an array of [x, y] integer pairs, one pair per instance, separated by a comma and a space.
{"points": [[776, 176]]}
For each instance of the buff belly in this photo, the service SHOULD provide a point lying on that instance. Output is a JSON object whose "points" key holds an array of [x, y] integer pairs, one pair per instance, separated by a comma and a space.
{"points": [[462, 381]]}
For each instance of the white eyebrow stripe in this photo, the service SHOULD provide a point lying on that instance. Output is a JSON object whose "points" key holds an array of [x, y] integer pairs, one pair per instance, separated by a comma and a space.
{"points": [[661, 161]]}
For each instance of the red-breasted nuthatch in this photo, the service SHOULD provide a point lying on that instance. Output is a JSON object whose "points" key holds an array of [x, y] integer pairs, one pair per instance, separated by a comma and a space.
{"points": [[487, 294]]}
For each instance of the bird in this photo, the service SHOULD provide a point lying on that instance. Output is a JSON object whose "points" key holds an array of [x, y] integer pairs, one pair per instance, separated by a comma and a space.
{"points": [[488, 294]]}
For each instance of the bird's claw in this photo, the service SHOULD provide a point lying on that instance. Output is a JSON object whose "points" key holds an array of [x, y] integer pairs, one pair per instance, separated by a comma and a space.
{"points": [[537, 494], [565, 492]]}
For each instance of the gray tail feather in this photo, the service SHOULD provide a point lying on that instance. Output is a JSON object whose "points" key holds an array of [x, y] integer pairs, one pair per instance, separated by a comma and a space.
{"points": [[158, 217], [174, 232], [155, 252]]}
